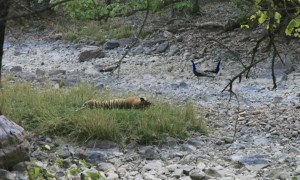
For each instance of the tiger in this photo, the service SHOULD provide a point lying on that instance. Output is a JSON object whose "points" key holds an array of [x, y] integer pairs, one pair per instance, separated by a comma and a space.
{"points": [[128, 103]]}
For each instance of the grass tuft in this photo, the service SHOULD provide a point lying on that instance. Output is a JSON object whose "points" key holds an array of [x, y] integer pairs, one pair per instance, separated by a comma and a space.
{"points": [[52, 112], [99, 32]]}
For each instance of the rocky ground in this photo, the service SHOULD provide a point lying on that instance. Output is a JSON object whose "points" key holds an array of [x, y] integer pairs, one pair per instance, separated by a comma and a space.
{"points": [[267, 144]]}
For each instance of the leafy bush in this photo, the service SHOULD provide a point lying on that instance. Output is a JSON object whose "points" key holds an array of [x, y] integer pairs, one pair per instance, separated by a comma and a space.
{"points": [[275, 14]]}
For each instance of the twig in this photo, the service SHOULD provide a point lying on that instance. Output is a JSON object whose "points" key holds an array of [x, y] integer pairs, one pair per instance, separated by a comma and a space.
{"points": [[134, 42], [254, 51], [231, 51], [240, 75], [273, 71]]}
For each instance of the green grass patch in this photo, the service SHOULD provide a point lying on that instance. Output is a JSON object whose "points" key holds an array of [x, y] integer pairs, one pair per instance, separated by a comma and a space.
{"points": [[94, 30], [52, 112]]}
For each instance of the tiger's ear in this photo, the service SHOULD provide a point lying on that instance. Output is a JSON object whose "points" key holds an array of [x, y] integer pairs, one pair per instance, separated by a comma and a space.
{"points": [[143, 99]]}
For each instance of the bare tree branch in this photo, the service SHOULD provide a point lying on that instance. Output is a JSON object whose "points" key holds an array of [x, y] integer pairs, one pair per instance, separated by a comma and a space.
{"points": [[236, 55], [254, 51], [273, 71], [135, 41]]}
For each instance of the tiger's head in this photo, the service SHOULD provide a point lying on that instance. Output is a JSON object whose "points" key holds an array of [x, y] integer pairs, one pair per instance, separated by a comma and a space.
{"points": [[144, 103]]}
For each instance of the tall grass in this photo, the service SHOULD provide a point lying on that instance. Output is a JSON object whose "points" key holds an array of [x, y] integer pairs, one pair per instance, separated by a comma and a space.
{"points": [[99, 32], [49, 111]]}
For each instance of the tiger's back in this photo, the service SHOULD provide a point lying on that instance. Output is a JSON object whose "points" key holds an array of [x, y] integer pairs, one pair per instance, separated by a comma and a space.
{"points": [[128, 103]]}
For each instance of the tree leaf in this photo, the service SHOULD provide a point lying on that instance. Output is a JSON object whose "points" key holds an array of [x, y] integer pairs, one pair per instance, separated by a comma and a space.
{"points": [[277, 17], [262, 17]]}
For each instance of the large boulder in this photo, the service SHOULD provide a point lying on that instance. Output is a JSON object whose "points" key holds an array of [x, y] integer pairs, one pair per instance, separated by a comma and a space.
{"points": [[91, 53], [14, 147]]}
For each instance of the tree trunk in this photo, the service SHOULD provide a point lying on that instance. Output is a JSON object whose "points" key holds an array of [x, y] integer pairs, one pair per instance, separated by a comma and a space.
{"points": [[4, 6], [195, 8]]}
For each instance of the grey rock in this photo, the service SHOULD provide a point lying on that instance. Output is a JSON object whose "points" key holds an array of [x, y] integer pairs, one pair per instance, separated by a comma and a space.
{"points": [[162, 47], [188, 147], [103, 144], [173, 50], [99, 86], [185, 178], [182, 85], [227, 139], [177, 173], [186, 169], [148, 51], [153, 165], [202, 52], [65, 153], [12, 150], [132, 146], [16, 69], [59, 174], [219, 171], [66, 163], [149, 43], [6, 175], [106, 167], [170, 142], [112, 176], [260, 140], [111, 44], [39, 155], [95, 155], [152, 154], [91, 53], [138, 50], [57, 72], [254, 162], [21, 166], [197, 175], [55, 37]]}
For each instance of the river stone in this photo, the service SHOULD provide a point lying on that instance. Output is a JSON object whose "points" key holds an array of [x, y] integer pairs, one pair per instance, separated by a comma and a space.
{"points": [[91, 53], [254, 162], [197, 175], [106, 167], [40, 72], [13, 146], [103, 144], [111, 44], [95, 155], [260, 140], [112, 176], [177, 173], [152, 154], [162, 47], [173, 49], [57, 72], [16, 69], [6, 175]]}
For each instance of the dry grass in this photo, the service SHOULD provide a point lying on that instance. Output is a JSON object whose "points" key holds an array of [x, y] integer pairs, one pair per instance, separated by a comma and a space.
{"points": [[52, 112]]}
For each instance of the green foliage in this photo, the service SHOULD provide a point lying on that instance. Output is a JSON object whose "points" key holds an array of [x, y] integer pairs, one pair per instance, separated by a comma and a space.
{"points": [[73, 171], [53, 112], [293, 28], [59, 161], [245, 7], [93, 30], [277, 11], [92, 175], [97, 9], [38, 173], [86, 164]]}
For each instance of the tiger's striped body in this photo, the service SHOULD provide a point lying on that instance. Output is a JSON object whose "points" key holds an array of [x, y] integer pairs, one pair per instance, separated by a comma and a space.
{"points": [[131, 102]]}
